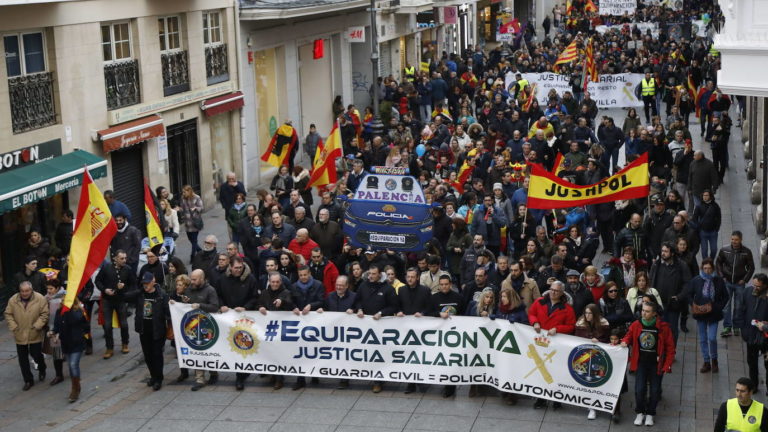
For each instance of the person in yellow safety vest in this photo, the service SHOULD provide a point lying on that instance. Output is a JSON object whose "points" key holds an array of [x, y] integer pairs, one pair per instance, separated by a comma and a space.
{"points": [[521, 83], [742, 413], [410, 72], [648, 91]]}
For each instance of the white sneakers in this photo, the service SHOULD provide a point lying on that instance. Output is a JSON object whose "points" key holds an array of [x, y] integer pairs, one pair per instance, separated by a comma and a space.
{"points": [[592, 415], [649, 420], [639, 420]]}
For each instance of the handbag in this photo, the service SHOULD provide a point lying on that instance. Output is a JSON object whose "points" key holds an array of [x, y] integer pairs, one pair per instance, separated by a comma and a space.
{"points": [[197, 221], [697, 309]]}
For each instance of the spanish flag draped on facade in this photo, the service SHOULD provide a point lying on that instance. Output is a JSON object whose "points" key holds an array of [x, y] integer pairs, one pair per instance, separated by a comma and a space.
{"points": [[324, 166], [281, 147], [569, 54], [154, 232], [94, 230], [547, 191]]}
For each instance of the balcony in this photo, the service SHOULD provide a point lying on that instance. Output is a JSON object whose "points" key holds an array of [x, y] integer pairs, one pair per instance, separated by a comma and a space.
{"points": [[121, 80], [32, 105], [175, 66], [216, 64]]}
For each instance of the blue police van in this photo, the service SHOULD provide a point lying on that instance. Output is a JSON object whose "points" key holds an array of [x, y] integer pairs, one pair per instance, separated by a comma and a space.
{"points": [[388, 211]]}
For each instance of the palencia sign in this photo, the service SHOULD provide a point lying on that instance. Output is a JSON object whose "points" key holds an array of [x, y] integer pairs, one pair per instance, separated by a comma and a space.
{"points": [[455, 351]]}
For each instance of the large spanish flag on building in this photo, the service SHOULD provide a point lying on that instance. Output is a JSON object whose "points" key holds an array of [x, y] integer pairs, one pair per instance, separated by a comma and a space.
{"points": [[324, 167], [154, 232], [280, 149], [94, 229], [547, 191]]}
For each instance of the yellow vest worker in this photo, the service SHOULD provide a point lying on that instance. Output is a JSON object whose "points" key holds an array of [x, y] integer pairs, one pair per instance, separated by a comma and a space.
{"points": [[410, 73], [738, 421], [521, 84], [649, 87]]}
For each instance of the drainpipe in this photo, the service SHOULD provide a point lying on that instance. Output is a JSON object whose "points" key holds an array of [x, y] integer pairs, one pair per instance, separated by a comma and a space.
{"points": [[243, 144]]}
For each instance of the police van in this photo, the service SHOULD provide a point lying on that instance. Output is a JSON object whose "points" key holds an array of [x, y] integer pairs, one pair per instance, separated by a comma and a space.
{"points": [[388, 211]]}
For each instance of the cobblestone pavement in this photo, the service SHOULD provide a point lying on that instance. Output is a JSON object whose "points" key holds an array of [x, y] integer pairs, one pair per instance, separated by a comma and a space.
{"points": [[115, 397]]}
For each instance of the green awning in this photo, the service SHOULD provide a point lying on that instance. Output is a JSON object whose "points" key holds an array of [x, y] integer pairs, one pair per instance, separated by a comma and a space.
{"points": [[44, 179]]}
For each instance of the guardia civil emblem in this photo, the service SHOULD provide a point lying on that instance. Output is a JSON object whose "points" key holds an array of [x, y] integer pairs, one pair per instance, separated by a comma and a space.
{"points": [[590, 365], [242, 337]]}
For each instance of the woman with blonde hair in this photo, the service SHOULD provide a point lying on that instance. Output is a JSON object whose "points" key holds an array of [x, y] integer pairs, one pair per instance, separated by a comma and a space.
{"points": [[636, 293], [171, 219], [192, 208]]}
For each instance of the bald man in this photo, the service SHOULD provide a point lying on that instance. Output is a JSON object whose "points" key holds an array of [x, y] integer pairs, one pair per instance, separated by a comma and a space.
{"points": [[201, 295], [302, 244]]}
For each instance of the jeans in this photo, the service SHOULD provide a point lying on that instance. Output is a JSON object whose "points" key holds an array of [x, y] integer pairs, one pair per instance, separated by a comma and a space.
{"points": [[36, 351], [122, 317], [708, 339], [192, 237], [645, 375], [696, 200], [425, 112], [673, 319], [753, 354], [153, 354], [734, 298], [708, 244], [73, 361]]}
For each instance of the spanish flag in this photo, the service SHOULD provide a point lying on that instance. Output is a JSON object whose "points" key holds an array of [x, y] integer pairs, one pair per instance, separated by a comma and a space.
{"points": [[530, 99], [558, 165], [590, 6], [568, 7], [464, 172], [154, 233], [280, 148], [569, 54], [590, 66], [324, 167], [94, 229]]}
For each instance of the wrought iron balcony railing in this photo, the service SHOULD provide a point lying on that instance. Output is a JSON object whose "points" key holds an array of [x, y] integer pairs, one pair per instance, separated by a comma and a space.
{"points": [[175, 66], [216, 64], [121, 80], [32, 104]]}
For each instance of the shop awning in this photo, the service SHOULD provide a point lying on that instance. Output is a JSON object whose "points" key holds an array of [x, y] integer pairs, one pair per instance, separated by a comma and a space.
{"points": [[45, 179], [128, 134], [220, 104]]}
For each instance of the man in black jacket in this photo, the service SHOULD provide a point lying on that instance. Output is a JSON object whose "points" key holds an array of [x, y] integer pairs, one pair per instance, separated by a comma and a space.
{"points": [[307, 295], [751, 317], [444, 304], [735, 264], [238, 290], [378, 299], [669, 275], [632, 235], [116, 281], [127, 239], [415, 299], [656, 224], [152, 318], [611, 138], [205, 259]]}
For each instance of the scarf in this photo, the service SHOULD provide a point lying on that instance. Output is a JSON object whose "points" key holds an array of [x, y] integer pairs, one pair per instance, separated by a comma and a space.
{"points": [[505, 308], [649, 323], [257, 229], [238, 207], [125, 227], [629, 271], [576, 241], [517, 284], [709, 288], [304, 286]]}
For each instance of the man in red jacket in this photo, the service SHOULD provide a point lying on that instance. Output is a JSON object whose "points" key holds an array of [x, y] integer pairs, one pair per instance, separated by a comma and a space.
{"points": [[323, 270], [652, 354], [302, 244], [553, 313]]}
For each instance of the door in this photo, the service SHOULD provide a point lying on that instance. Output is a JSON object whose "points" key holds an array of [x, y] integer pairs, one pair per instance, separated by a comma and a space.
{"points": [[128, 181], [316, 90], [183, 156]]}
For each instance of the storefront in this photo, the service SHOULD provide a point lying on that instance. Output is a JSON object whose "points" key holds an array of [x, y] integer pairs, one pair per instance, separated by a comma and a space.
{"points": [[125, 145], [33, 195], [221, 114]]}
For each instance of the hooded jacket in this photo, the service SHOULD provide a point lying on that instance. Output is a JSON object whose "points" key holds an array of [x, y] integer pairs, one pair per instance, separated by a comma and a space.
{"points": [[559, 316], [597, 288], [240, 291]]}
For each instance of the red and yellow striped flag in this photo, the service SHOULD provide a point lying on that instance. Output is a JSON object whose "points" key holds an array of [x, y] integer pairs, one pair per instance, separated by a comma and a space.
{"points": [[590, 65], [569, 54], [568, 7], [94, 229], [590, 6], [154, 233], [530, 99], [324, 166]]}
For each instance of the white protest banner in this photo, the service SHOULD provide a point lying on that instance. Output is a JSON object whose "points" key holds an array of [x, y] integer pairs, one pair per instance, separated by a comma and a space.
{"points": [[642, 26], [456, 351], [613, 90], [672, 4], [617, 7]]}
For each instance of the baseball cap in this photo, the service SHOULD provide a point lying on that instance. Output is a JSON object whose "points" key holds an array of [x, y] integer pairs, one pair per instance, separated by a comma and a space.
{"points": [[147, 277]]}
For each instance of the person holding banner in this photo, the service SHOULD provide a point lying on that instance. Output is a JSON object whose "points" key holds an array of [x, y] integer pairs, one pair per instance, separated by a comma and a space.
{"points": [[651, 356], [446, 303], [553, 314]]}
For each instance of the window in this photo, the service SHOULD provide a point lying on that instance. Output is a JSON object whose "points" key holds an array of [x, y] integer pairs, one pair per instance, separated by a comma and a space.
{"points": [[24, 53], [211, 28], [170, 33], [116, 41]]}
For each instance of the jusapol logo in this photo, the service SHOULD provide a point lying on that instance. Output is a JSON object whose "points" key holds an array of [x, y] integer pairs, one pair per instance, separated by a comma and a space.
{"points": [[590, 365]]}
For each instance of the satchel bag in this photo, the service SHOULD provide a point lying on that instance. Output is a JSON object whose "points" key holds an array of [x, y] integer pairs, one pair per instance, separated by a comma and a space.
{"points": [[698, 310]]}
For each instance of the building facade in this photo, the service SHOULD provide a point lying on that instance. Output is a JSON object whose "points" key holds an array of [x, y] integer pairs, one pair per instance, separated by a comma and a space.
{"points": [[283, 79], [135, 90], [743, 44]]}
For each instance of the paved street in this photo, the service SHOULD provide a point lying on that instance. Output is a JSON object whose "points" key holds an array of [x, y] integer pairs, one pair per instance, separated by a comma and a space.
{"points": [[115, 397]]}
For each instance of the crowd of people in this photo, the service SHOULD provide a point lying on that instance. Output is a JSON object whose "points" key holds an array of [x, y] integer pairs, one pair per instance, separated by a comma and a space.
{"points": [[490, 256]]}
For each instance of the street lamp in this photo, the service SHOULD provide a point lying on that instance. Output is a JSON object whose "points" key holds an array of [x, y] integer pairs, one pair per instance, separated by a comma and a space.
{"points": [[376, 126]]}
